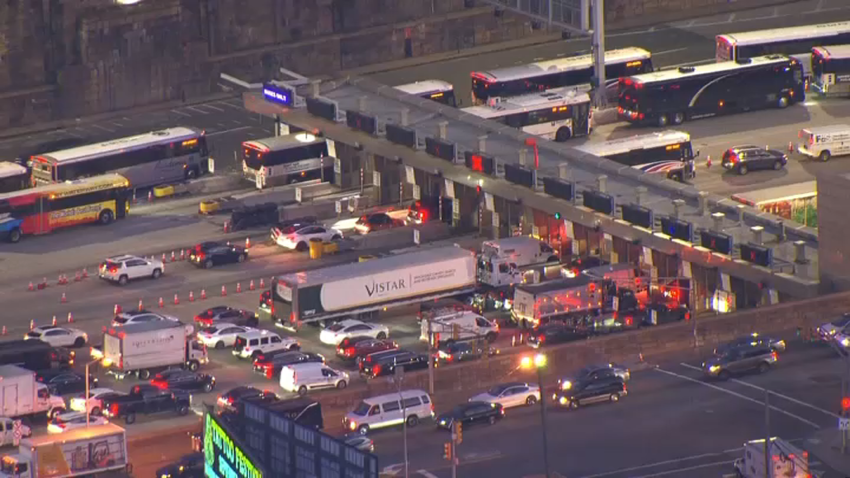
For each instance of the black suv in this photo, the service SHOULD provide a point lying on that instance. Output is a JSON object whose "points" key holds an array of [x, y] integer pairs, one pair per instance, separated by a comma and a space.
{"points": [[471, 413], [743, 159], [386, 365], [601, 386], [738, 360], [554, 333]]}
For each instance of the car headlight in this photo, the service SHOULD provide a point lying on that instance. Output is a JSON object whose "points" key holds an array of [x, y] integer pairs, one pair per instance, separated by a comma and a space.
{"points": [[566, 385], [563, 400], [845, 342], [714, 368]]}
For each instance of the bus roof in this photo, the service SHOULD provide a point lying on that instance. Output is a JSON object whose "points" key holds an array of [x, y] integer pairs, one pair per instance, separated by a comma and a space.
{"points": [[643, 141], [774, 35], [804, 190], [540, 68], [708, 69], [534, 101], [287, 141], [426, 87], [834, 52], [72, 188], [9, 169], [106, 148]]}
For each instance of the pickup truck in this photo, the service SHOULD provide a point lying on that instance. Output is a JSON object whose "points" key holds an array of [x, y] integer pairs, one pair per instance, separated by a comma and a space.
{"points": [[145, 399]]}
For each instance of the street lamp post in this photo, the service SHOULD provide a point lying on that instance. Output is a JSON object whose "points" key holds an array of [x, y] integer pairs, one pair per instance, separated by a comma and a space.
{"points": [[539, 363], [88, 390]]}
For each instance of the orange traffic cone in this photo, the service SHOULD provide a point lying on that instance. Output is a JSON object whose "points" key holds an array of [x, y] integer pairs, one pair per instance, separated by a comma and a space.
{"points": [[116, 310], [191, 296], [54, 321], [85, 273], [182, 254], [64, 299], [4, 330], [77, 277], [262, 284], [141, 306], [163, 258], [203, 293], [708, 161], [32, 324], [247, 243], [250, 285], [150, 195], [238, 287], [70, 318], [223, 291], [172, 256], [31, 287], [176, 299], [161, 303], [790, 147]]}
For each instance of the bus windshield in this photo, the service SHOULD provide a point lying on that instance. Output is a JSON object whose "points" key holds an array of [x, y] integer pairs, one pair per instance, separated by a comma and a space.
{"points": [[13, 177]]}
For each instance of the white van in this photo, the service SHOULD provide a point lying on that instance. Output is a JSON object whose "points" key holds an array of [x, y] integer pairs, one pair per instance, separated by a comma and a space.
{"points": [[823, 142], [304, 376], [386, 411], [467, 324]]}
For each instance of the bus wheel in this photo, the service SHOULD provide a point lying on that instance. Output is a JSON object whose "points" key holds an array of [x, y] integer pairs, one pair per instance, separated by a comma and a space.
{"points": [[782, 102], [191, 173], [105, 217], [15, 235], [662, 121], [678, 118], [563, 134], [824, 157]]}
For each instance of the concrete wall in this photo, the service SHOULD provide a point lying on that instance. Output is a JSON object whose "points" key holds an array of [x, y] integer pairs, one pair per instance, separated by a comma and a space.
{"points": [[633, 13], [833, 246]]}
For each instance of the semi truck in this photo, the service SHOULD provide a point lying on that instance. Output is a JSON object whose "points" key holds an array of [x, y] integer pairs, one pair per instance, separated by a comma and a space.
{"points": [[502, 262], [97, 450], [146, 348], [361, 289], [21, 395], [34, 355], [784, 461]]}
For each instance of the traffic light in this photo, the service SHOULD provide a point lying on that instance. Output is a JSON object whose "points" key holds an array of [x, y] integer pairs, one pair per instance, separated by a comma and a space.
{"points": [[845, 404], [447, 450], [458, 432], [557, 216]]}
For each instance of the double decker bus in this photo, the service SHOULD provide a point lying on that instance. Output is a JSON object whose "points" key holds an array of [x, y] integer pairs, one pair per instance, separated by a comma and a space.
{"points": [[43, 209], [667, 152], [288, 159], [692, 92], [558, 114], [435, 90], [149, 159], [13, 177], [831, 70], [561, 72], [791, 41]]}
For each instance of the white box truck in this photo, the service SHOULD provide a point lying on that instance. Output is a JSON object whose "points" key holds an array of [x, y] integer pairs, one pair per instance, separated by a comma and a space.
{"points": [[450, 325], [146, 348], [784, 461], [363, 288], [502, 262], [88, 451], [22, 395]]}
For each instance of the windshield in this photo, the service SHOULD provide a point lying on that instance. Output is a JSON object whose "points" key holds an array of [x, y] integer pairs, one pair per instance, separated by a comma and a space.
{"points": [[336, 327], [120, 320], [240, 343], [209, 330], [841, 322], [289, 229], [495, 391], [362, 409]]}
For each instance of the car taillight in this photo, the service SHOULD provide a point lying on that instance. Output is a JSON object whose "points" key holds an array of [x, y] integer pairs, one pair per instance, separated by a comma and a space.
{"points": [[159, 384], [115, 409], [113, 269], [201, 255], [349, 351], [450, 358], [376, 370], [541, 338], [775, 356], [269, 370]]}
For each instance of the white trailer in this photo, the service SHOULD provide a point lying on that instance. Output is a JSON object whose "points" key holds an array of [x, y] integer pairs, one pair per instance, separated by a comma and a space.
{"points": [[784, 461], [502, 262], [22, 395], [366, 287], [81, 452], [146, 348]]}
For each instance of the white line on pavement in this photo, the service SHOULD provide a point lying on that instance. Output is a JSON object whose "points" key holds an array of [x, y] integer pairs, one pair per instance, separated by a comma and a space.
{"points": [[665, 52], [181, 113], [691, 468], [653, 465], [197, 110], [210, 107], [426, 474], [741, 396], [115, 123], [102, 128], [228, 130], [786, 397], [237, 106]]}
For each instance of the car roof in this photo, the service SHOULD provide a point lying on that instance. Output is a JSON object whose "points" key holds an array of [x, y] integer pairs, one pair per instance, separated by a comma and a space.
{"points": [[121, 258], [243, 390], [55, 371], [47, 327], [256, 333]]}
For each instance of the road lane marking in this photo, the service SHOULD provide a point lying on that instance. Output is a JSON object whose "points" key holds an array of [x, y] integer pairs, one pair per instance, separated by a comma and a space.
{"points": [[665, 52], [653, 465], [786, 397], [426, 474], [182, 113], [228, 130], [117, 124], [691, 468], [210, 107], [741, 396], [102, 128], [192, 108]]}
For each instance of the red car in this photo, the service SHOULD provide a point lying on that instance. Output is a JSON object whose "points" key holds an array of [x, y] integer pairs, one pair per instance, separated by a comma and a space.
{"points": [[363, 347], [376, 222]]}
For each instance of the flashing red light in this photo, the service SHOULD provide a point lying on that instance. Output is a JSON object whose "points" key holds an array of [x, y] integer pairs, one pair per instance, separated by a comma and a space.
{"points": [[377, 370], [115, 409], [845, 403], [269, 369], [159, 383]]}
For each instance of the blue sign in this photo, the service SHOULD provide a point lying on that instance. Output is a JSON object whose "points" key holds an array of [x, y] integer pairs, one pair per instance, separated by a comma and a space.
{"points": [[278, 94]]}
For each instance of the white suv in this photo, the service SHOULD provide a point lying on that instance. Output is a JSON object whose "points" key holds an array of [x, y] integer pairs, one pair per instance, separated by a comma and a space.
{"points": [[122, 269], [254, 342]]}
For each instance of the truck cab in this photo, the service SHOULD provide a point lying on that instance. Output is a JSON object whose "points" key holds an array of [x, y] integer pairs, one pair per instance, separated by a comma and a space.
{"points": [[502, 262], [785, 460], [15, 466]]}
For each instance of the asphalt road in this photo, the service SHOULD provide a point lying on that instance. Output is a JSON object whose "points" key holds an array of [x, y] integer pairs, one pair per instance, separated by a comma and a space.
{"points": [[672, 423]]}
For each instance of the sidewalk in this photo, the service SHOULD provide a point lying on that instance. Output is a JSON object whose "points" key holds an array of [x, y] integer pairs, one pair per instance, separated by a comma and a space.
{"points": [[825, 449]]}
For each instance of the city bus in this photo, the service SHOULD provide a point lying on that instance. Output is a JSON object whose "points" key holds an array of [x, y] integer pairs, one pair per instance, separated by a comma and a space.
{"points": [[561, 72], [791, 41], [13, 177], [691, 92], [288, 159], [831, 70], [149, 159], [558, 114], [667, 152], [436, 90], [42, 209]]}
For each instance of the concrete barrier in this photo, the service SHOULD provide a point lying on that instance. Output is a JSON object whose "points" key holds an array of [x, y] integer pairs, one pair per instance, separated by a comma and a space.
{"points": [[401, 237], [214, 184], [605, 116]]}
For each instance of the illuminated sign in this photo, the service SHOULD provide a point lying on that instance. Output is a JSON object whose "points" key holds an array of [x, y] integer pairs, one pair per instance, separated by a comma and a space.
{"points": [[277, 94], [222, 456]]}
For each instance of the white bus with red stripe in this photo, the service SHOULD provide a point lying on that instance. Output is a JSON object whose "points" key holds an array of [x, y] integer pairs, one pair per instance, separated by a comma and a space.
{"points": [[288, 159], [666, 152]]}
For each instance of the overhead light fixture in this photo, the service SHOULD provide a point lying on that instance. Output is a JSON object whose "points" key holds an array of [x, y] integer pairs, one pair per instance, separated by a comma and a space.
{"points": [[127, 2]]}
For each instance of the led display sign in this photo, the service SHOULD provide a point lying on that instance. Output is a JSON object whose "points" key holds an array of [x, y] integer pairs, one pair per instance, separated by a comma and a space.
{"points": [[277, 94], [222, 456]]}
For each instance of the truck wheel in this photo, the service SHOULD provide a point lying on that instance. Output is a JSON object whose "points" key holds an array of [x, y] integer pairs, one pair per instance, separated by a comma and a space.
{"points": [[363, 429], [208, 387], [302, 390], [130, 418], [96, 411], [55, 411], [341, 385], [15, 235], [194, 365], [122, 280], [491, 337], [381, 335], [144, 374], [183, 410], [105, 217]]}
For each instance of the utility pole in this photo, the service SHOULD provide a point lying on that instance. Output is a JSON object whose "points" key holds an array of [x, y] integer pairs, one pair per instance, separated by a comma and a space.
{"points": [[543, 420], [767, 432], [600, 98], [431, 347], [398, 378]]}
